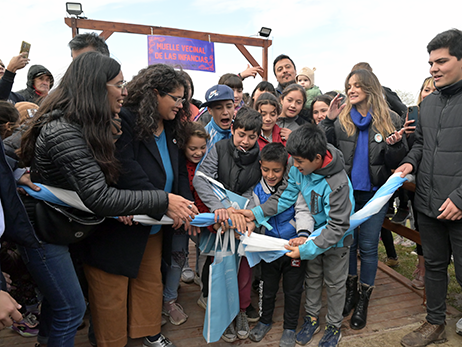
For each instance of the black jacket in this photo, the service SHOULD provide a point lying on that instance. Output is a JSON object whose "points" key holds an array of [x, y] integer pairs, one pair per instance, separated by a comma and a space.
{"points": [[29, 93], [6, 84], [437, 151], [62, 159], [382, 157], [17, 226], [237, 171], [115, 247], [395, 103]]}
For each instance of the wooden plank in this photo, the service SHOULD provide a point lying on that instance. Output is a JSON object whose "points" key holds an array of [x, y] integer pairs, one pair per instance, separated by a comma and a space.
{"points": [[248, 56], [157, 30], [105, 34], [394, 304], [402, 230]]}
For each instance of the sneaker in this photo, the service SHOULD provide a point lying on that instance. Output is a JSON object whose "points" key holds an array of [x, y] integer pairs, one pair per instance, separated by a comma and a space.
{"points": [[252, 314], [242, 326], [419, 281], [408, 243], [175, 312], [197, 279], [287, 339], [259, 331], [31, 320], [401, 216], [309, 328], [162, 341], [187, 274], [23, 329], [459, 327], [424, 335], [398, 240], [230, 334], [331, 337], [202, 301], [392, 262]]}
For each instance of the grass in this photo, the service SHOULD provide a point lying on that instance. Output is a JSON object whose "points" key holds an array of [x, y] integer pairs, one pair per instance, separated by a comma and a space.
{"points": [[406, 267]]}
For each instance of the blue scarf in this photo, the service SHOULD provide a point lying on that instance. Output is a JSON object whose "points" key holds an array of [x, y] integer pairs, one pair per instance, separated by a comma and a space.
{"points": [[360, 176]]}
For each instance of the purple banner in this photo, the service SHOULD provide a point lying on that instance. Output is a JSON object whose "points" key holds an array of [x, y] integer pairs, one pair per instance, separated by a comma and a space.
{"points": [[190, 54]]}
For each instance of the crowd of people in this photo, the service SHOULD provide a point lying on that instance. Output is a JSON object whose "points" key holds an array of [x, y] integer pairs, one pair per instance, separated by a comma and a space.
{"points": [[305, 161]]}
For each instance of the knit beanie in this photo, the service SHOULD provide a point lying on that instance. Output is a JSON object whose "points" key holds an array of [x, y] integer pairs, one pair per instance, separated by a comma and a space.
{"points": [[306, 71]]}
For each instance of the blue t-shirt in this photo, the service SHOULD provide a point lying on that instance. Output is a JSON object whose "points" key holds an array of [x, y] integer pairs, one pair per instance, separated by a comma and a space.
{"points": [[161, 142]]}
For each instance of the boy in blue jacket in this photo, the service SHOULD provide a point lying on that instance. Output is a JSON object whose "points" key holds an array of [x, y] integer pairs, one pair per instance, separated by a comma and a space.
{"points": [[234, 162], [318, 174], [273, 162]]}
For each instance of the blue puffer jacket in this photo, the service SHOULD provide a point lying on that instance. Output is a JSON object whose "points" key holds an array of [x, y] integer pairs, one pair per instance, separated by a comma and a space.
{"points": [[284, 223]]}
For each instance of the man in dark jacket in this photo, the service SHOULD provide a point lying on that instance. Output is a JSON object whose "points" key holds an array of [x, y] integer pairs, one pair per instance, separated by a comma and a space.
{"points": [[436, 158], [39, 82], [285, 72]]}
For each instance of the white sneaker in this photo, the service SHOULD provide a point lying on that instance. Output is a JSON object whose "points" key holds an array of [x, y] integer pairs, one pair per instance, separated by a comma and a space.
{"points": [[459, 327], [187, 274], [408, 243], [162, 341], [398, 240]]}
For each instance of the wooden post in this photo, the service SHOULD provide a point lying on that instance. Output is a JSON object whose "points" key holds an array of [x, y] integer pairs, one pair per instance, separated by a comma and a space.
{"points": [[73, 25], [264, 60]]}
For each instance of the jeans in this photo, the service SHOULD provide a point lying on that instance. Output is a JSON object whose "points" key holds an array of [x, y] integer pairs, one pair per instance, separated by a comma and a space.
{"points": [[173, 272], [63, 305], [367, 240], [439, 239]]}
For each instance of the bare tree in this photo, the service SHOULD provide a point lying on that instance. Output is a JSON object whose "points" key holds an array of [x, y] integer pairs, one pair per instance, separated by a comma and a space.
{"points": [[407, 98]]}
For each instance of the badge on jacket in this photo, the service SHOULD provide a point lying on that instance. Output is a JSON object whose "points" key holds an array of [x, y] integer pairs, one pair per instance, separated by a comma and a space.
{"points": [[378, 138]]}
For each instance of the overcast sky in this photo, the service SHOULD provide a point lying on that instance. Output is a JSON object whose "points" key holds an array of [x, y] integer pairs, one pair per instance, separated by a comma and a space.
{"points": [[331, 36]]}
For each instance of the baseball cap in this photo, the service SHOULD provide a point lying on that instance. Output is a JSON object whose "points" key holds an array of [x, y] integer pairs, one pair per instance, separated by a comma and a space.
{"points": [[218, 92]]}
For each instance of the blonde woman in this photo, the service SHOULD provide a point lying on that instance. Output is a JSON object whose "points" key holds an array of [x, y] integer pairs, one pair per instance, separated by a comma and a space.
{"points": [[365, 130]]}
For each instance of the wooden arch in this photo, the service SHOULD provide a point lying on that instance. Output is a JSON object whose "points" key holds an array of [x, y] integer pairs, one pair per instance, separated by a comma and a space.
{"points": [[108, 28]]}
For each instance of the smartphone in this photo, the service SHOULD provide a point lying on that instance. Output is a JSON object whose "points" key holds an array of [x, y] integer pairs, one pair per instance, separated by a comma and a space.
{"points": [[25, 47], [413, 114]]}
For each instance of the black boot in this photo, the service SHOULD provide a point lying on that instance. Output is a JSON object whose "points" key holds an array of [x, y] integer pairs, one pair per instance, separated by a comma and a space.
{"points": [[352, 295], [359, 317]]}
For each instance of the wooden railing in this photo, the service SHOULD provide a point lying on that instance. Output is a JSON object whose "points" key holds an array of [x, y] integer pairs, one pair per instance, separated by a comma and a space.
{"points": [[402, 230]]}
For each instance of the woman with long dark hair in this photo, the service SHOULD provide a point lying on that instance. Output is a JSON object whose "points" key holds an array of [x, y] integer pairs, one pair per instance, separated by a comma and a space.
{"points": [[366, 131], [125, 281], [70, 145]]}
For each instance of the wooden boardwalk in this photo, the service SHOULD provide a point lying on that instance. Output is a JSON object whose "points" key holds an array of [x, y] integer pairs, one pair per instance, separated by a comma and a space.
{"points": [[394, 304]]}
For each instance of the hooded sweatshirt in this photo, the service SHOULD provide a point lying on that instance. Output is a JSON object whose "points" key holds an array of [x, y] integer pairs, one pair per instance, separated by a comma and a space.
{"points": [[30, 94]]}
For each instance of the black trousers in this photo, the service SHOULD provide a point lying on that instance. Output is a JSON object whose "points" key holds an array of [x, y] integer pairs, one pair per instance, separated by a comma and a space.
{"points": [[292, 285]]}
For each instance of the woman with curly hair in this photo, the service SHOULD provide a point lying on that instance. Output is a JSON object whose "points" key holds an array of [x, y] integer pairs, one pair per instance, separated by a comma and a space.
{"points": [[370, 137], [124, 270], [70, 145]]}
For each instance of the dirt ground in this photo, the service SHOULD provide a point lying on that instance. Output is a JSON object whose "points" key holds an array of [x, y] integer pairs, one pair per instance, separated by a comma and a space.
{"points": [[392, 338]]}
